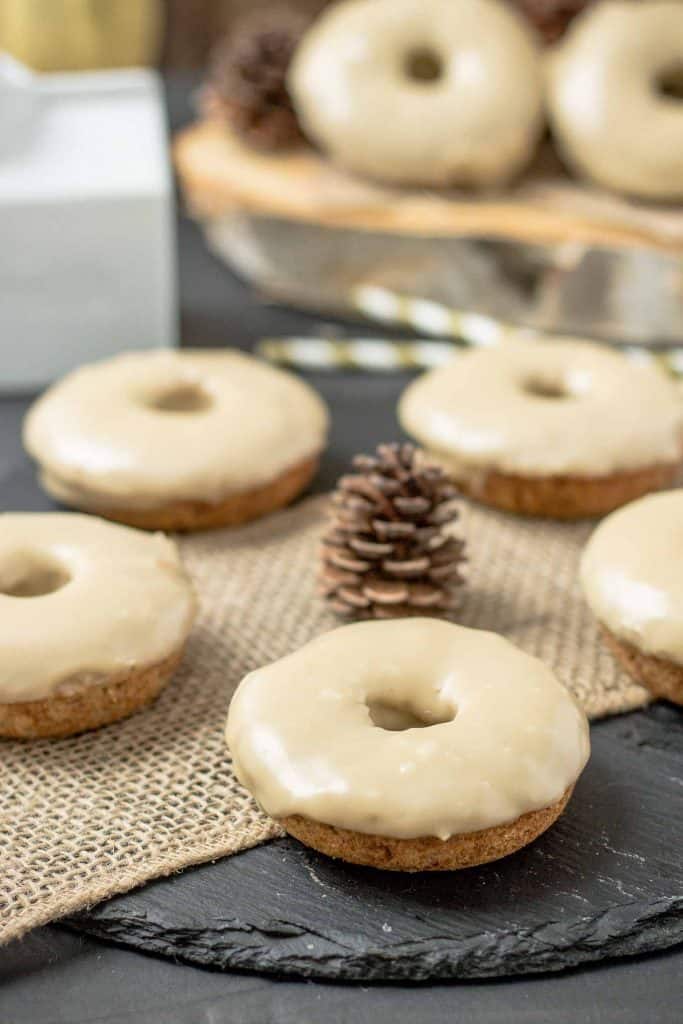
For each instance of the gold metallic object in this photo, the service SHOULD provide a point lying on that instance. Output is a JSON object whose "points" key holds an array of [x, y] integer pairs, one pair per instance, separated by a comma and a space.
{"points": [[74, 35]]}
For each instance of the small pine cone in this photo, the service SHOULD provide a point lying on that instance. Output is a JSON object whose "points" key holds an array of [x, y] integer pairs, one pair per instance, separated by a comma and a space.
{"points": [[389, 550], [551, 17], [247, 81]]}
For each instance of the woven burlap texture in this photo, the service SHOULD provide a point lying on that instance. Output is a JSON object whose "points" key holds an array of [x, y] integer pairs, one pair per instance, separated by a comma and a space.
{"points": [[85, 818]]}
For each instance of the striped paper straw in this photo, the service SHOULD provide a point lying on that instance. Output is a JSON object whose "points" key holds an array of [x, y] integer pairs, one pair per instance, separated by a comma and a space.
{"points": [[454, 329], [370, 354]]}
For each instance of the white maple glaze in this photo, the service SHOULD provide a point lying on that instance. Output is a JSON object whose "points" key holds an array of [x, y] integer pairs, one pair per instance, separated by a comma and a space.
{"points": [[476, 124], [511, 739], [100, 437], [486, 410], [632, 574], [121, 600], [608, 115]]}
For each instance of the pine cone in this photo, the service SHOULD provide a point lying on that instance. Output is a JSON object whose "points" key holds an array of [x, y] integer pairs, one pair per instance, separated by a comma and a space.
{"points": [[388, 551], [248, 77], [551, 17]]}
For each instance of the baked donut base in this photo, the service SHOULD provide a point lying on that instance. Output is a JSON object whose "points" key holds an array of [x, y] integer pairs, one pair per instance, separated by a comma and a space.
{"points": [[566, 497], [664, 679], [426, 853], [92, 706], [234, 510]]}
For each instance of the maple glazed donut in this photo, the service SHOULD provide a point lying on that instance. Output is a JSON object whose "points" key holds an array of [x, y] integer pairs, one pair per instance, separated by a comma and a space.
{"points": [[615, 97], [564, 429], [632, 580], [177, 440], [93, 621], [408, 745], [423, 92]]}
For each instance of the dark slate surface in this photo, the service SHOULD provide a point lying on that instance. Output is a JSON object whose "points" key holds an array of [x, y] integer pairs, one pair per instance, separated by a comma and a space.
{"points": [[59, 977], [605, 881], [54, 977]]}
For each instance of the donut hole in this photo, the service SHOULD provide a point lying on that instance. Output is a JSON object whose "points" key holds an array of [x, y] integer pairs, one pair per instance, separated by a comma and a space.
{"points": [[423, 64], [32, 576], [669, 82], [184, 397], [546, 388], [394, 716]]}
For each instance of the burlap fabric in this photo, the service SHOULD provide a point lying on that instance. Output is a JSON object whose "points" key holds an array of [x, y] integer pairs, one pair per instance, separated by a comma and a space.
{"points": [[85, 818]]}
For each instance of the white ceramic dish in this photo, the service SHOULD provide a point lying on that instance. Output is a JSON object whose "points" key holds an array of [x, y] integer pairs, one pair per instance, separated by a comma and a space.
{"points": [[87, 249]]}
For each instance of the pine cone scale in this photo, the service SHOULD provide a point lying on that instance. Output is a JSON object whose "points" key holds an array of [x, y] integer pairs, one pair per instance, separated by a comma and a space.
{"points": [[345, 560], [331, 579], [444, 513], [353, 523], [413, 568], [446, 553], [385, 591], [370, 549], [412, 508], [372, 498], [441, 573], [393, 531], [424, 596], [354, 597]]}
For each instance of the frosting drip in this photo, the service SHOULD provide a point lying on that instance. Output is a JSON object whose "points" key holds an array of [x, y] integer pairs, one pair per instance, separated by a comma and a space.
{"points": [[81, 599], [540, 409], [631, 574], [322, 732], [151, 428]]}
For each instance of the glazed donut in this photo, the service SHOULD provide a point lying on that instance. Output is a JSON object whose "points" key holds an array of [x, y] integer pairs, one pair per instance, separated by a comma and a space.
{"points": [[408, 745], [177, 440], [563, 429], [93, 621], [632, 580], [425, 92], [607, 95]]}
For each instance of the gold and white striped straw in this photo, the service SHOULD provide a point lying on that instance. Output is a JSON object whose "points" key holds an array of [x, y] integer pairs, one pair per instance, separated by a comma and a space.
{"points": [[355, 353], [455, 330]]}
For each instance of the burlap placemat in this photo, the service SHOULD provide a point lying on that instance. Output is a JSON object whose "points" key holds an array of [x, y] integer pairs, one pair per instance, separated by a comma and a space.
{"points": [[85, 818]]}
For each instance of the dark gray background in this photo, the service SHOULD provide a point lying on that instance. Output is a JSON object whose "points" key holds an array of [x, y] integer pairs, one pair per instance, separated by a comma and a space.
{"points": [[56, 976]]}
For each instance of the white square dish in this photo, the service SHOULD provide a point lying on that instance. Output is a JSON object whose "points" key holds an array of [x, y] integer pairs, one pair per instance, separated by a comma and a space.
{"points": [[87, 247]]}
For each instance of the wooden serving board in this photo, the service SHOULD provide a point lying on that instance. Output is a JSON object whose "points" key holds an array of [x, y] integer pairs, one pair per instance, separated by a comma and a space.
{"points": [[219, 174]]}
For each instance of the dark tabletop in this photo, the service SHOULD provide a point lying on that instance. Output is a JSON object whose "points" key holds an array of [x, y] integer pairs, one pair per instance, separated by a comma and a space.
{"points": [[55, 976]]}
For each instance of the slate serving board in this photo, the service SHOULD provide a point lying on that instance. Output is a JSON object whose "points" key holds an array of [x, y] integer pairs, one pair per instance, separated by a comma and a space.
{"points": [[606, 881]]}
